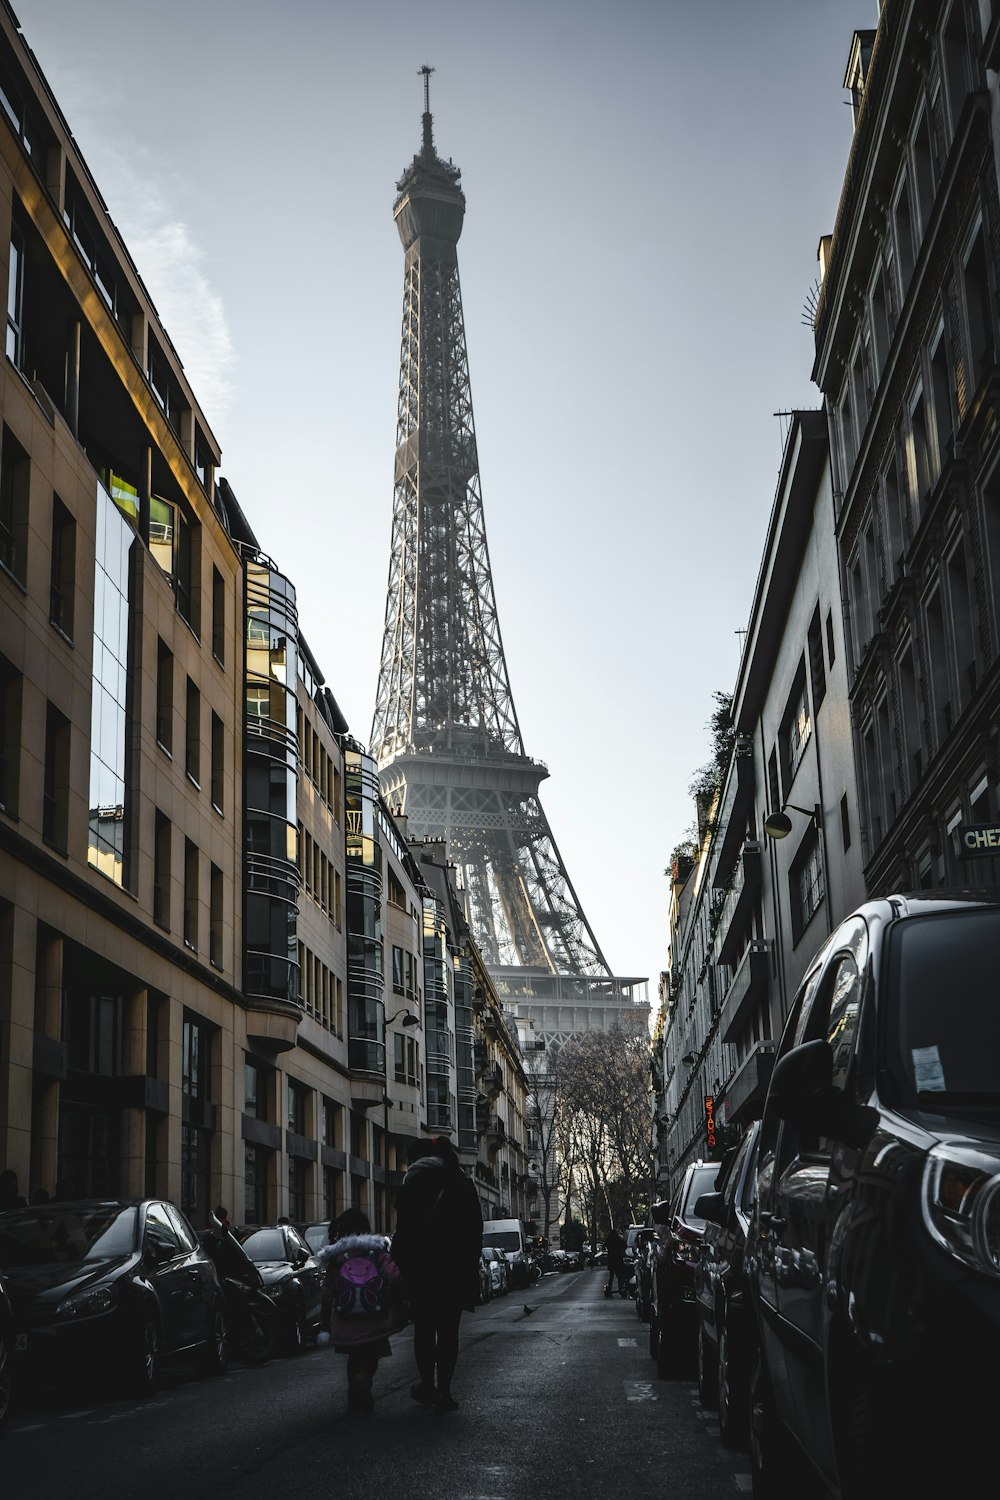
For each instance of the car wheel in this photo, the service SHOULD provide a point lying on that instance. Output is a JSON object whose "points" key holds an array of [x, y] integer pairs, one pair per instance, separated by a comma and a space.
{"points": [[734, 1400], [6, 1375], [144, 1365], [708, 1382], [214, 1357], [257, 1344]]}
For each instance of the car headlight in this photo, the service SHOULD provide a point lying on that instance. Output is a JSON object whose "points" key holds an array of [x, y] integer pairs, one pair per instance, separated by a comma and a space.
{"points": [[96, 1299], [961, 1204]]}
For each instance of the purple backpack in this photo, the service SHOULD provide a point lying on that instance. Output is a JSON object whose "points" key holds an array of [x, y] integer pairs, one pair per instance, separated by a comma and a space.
{"points": [[360, 1290]]}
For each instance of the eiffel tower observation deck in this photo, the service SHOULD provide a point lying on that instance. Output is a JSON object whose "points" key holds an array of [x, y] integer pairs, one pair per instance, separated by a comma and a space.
{"points": [[445, 731]]}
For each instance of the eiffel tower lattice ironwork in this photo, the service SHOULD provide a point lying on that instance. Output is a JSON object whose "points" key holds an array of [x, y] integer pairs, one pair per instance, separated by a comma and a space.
{"points": [[445, 732]]}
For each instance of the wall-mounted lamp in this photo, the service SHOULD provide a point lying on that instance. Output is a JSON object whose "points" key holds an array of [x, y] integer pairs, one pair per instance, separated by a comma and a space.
{"points": [[409, 1019], [778, 826], [688, 1059]]}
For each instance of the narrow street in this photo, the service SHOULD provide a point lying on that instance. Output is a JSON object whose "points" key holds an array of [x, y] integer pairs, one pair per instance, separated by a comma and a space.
{"points": [[563, 1402]]}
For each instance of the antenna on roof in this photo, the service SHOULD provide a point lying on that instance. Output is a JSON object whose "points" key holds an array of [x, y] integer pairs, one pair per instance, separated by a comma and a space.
{"points": [[427, 70]]}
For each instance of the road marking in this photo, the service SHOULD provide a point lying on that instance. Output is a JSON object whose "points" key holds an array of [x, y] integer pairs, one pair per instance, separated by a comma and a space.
{"points": [[640, 1390], [72, 1416], [744, 1482], [626, 1343], [35, 1427]]}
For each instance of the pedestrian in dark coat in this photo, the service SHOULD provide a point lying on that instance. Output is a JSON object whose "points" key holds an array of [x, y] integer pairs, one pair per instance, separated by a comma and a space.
{"points": [[615, 1246], [437, 1244]]}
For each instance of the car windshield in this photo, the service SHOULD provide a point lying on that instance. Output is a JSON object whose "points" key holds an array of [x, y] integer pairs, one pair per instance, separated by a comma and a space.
{"points": [[504, 1239], [265, 1244], [702, 1181], [49, 1236], [942, 1011]]}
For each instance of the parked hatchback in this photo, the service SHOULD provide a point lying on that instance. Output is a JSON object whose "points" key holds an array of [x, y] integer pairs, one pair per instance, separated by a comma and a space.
{"points": [[292, 1276], [679, 1232], [874, 1246], [110, 1286], [724, 1326]]}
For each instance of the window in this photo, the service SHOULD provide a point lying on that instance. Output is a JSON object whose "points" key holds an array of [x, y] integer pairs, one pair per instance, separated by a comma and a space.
{"points": [[817, 667], [192, 733], [796, 727], [297, 1097], [902, 224], [55, 796], [955, 60], [202, 460], [218, 762], [831, 647], [940, 388], [978, 311], [162, 840], [805, 883], [909, 707], [190, 894], [397, 970], [894, 517], [963, 621], [918, 460], [331, 1124], [253, 1095], [15, 297], [937, 661], [164, 695], [296, 1187], [845, 1004], [63, 568], [218, 616], [10, 736], [187, 601], [845, 822], [216, 888], [256, 1171], [881, 334], [196, 1057], [15, 471], [923, 171]]}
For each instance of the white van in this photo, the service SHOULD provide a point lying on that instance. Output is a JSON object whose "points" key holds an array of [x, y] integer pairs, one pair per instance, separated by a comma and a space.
{"points": [[510, 1236]]}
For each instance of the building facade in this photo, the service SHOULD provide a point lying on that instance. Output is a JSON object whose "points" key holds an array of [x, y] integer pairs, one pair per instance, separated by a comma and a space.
{"points": [[223, 973]]}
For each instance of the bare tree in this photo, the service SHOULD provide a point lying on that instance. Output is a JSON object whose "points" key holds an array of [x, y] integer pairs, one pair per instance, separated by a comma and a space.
{"points": [[542, 1113], [604, 1106]]}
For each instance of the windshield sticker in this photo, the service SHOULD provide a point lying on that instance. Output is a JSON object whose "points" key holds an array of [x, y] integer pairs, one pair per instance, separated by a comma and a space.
{"points": [[927, 1070]]}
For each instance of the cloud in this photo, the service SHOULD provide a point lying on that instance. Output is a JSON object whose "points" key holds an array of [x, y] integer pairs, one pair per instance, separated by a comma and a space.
{"points": [[172, 266]]}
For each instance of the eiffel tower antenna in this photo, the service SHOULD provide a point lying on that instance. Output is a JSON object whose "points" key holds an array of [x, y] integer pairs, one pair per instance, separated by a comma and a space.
{"points": [[445, 732], [428, 121]]}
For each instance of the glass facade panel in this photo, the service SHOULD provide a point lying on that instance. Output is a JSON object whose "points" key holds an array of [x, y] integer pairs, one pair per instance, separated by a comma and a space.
{"points": [[106, 849], [365, 973]]}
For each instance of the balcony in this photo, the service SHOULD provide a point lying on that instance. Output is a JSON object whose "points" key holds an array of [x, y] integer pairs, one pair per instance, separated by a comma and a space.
{"points": [[739, 903], [737, 800], [747, 988], [496, 1133], [744, 1095]]}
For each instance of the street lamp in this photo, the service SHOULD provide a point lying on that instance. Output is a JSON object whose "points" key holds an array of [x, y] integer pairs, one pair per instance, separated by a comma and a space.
{"points": [[778, 826]]}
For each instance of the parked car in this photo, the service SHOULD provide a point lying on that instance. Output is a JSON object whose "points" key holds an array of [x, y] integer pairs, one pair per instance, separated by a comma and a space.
{"points": [[500, 1271], [315, 1235], [873, 1253], [485, 1279], [632, 1235], [511, 1236], [109, 1287], [293, 1277], [599, 1257], [6, 1351], [725, 1333], [672, 1326]]}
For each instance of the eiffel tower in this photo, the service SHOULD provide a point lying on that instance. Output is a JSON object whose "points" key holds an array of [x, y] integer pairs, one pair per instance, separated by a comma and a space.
{"points": [[445, 732]]}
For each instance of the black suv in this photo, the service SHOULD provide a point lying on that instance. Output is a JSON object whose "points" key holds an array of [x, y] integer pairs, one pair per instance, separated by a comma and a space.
{"points": [[725, 1332], [874, 1249], [679, 1232]]}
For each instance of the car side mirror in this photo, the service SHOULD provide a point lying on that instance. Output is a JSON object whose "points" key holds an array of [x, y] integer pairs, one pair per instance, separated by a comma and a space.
{"points": [[802, 1094], [711, 1207]]}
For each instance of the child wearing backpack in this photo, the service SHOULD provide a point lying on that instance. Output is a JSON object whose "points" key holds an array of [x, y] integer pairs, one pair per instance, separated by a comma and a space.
{"points": [[361, 1301]]}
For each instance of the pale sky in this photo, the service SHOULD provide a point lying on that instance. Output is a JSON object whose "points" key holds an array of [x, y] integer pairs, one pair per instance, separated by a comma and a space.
{"points": [[646, 187]]}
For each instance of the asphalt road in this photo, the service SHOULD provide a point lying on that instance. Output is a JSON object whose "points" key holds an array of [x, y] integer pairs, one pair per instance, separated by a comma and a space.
{"points": [[563, 1402]]}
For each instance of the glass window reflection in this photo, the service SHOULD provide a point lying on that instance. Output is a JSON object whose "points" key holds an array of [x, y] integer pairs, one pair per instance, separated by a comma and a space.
{"points": [[108, 719]]}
